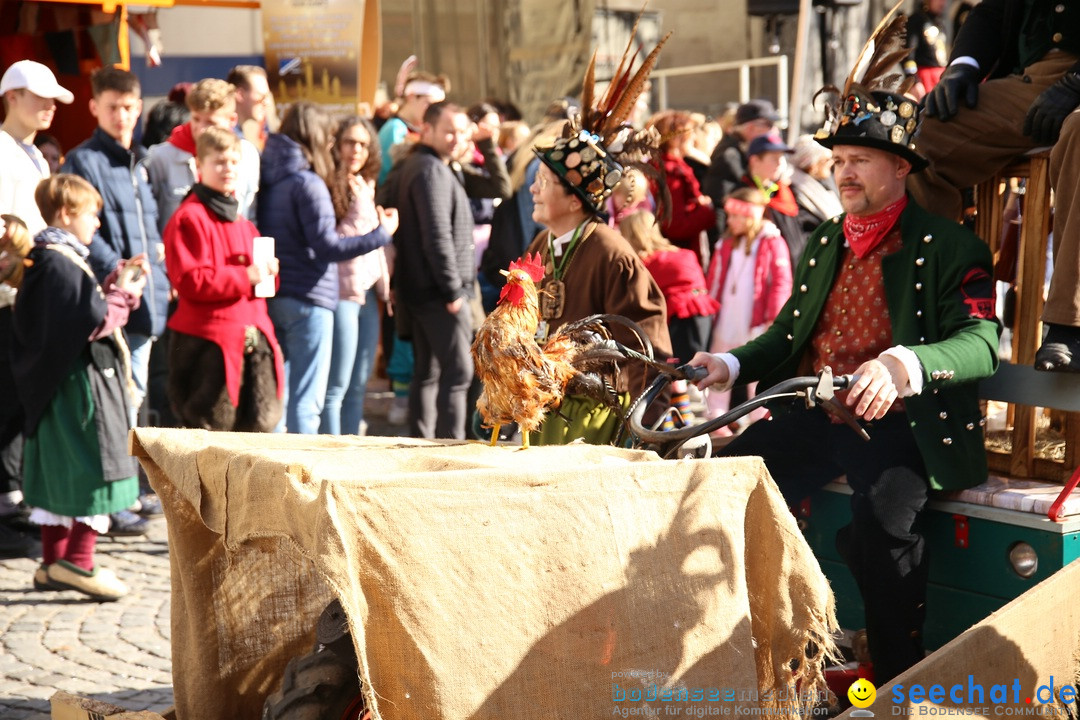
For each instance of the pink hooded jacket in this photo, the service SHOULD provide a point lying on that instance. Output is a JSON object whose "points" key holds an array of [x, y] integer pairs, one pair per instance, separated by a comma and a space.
{"points": [[772, 273]]}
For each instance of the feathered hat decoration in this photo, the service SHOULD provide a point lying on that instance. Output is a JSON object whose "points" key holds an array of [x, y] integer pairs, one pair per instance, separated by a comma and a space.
{"points": [[599, 142], [872, 110]]}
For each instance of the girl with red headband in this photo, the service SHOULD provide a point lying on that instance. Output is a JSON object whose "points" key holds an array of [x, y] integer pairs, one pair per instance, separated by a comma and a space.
{"points": [[749, 276]]}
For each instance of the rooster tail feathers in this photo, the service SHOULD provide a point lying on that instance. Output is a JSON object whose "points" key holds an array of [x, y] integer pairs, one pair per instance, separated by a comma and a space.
{"points": [[595, 328], [598, 389], [596, 356]]}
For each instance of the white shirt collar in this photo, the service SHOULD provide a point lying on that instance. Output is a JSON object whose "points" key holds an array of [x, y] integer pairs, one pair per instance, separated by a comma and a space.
{"points": [[558, 245]]}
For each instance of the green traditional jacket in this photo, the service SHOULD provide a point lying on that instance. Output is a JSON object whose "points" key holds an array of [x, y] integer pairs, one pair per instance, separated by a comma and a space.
{"points": [[939, 291]]}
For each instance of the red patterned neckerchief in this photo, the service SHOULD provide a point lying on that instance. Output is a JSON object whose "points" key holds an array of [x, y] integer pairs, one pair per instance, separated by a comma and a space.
{"points": [[865, 232]]}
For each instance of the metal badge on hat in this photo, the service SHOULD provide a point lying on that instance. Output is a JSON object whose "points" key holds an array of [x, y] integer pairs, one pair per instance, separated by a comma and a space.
{"points": [[872, 109]]}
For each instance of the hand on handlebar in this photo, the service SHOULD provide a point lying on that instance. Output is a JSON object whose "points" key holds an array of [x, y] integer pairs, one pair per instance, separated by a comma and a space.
{"points": [[717, 369], [877, 386]]}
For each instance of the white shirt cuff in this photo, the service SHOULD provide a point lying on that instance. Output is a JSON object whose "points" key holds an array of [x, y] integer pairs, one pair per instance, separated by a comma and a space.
{"points": [[966, 60], [907, 357], [733, 367]]}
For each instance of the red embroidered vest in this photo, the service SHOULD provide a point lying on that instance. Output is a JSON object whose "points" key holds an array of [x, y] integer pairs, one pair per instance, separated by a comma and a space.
{"points": [[854, 324]]}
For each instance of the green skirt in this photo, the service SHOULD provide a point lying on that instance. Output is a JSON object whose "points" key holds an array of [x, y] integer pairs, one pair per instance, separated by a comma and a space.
{"points": [[62, 459], [580, 417]]}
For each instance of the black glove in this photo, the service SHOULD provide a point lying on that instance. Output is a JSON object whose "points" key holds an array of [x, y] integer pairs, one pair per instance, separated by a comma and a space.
{"points": [[1048, 112], [958, 80]]}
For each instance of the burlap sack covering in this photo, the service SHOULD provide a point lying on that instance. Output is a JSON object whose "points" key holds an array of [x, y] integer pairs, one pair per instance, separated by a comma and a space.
{"points": [[1028, 649], [484, 582]]}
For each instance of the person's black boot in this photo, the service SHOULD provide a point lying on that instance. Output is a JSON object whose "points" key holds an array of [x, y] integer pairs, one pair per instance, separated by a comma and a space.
{"points": [[14, 544], [1060, 352]]}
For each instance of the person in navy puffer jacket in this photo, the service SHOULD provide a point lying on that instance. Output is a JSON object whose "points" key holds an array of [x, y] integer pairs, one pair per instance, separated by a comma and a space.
{"points": [[115, 165], [295, 209]]}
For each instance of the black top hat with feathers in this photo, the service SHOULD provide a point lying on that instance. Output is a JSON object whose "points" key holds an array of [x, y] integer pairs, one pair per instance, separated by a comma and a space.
{"points": [[872, 110], [598, 143]]}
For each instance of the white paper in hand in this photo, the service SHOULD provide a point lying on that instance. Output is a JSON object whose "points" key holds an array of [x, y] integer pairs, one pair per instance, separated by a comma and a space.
{"points": [[261, 253]]}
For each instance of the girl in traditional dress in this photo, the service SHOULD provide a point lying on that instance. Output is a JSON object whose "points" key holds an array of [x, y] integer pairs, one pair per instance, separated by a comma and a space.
{"points": [[73, 376]]}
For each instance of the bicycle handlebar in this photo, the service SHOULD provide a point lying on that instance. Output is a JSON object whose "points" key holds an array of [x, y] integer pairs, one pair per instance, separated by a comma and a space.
{"points": [[823, 386]]}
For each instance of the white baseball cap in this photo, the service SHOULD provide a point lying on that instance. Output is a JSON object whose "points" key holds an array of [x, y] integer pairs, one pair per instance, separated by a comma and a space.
{"points": [[35, 77]]}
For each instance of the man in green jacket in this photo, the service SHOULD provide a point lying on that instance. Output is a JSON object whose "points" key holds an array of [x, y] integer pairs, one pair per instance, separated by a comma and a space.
{"points": [[904, 300]]}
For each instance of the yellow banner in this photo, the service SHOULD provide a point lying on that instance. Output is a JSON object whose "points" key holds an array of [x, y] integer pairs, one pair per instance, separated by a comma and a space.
{"points": [[323, 51]]}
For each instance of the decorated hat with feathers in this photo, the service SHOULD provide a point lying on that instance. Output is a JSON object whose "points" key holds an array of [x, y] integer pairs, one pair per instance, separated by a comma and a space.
{"points": [[599, 142], [872, 110]]}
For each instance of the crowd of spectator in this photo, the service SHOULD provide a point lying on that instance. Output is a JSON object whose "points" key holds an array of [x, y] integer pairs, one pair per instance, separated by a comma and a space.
{"points": [[250, 273], [387, 236]]}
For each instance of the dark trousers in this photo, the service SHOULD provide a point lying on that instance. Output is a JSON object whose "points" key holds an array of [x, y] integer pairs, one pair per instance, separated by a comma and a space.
{"points": [[442, 370], [11, 416], [803, 451], [197, 391], [11, 465], [688, 336]]}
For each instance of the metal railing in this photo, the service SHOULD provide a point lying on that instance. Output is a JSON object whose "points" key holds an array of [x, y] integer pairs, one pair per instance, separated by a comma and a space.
{"points": [[660, 78]]}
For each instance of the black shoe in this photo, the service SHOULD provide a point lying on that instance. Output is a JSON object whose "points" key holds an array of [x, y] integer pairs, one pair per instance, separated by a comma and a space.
{"points": [[14, 544], [20, 520], [126, 524], [1060, 352], [150, 506]]}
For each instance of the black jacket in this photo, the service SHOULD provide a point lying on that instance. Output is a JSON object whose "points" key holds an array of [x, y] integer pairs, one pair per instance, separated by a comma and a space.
{"points": [[59, 307], [996, 31], [434, 242]]}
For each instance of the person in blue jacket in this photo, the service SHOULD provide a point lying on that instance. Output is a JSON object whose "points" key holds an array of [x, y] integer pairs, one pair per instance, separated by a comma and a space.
{"points": [[114, 165], [295, 209]]}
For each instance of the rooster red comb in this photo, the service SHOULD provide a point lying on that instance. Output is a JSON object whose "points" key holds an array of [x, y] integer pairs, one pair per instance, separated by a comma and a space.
{"points": [[531, 264]]}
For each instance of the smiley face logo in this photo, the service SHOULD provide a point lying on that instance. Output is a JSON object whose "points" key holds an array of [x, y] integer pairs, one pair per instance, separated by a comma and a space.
{"points": [[862, 693]]}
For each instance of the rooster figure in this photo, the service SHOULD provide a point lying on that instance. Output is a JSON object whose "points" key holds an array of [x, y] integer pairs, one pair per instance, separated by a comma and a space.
{"points": [[522, 380]]}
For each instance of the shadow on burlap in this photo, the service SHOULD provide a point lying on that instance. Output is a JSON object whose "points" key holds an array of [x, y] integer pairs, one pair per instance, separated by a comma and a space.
{"points": [[555, 582]]}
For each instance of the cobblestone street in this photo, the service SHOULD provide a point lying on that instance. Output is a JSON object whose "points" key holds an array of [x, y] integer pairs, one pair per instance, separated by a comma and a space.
{"points": [[117, 652]]}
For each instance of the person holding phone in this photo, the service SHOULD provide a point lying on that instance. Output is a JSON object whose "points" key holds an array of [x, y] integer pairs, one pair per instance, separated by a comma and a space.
{"points": [[70, 361]]}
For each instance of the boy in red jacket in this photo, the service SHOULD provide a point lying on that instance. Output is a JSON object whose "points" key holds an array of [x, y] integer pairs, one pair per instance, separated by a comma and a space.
{"points": [[225, 365]]}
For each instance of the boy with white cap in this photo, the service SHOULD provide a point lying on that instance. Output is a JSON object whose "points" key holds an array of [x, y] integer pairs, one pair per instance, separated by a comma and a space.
{"points": [[30, 92]]}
